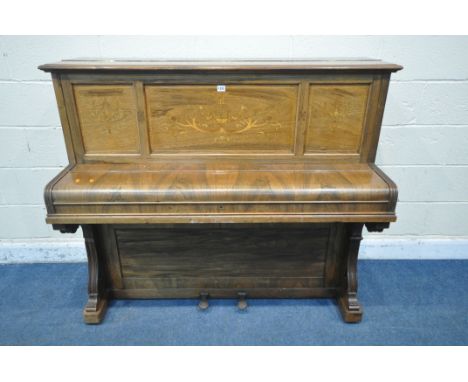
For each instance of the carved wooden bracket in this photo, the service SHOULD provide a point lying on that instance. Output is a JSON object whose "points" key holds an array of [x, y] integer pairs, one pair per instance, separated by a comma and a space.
{"points": [[377, 227], [65, 228]]}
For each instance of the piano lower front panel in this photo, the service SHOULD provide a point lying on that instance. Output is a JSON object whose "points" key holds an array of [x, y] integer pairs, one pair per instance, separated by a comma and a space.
{"points": [[184, 260]]}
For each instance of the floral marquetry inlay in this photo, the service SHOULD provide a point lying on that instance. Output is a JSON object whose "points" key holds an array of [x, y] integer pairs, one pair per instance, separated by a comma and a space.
{"points": [[243, 117], [336, 117], [106, 110], [108, 118]]}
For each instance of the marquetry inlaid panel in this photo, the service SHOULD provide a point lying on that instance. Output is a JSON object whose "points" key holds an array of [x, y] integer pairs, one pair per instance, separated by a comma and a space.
{"points": [[108, 118], [209, 118], [336, 117]]}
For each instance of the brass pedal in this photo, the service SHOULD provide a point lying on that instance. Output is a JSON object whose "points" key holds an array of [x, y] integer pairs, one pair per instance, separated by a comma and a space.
{"points": [[203, 304], [242, 302]]}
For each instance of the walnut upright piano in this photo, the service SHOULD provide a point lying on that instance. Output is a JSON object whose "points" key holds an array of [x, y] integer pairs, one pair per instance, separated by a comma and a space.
{"points": [[230, 179]]}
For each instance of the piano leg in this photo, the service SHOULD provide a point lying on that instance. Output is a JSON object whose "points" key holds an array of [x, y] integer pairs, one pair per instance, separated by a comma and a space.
{"points": [[96, 306], [347, 300]]}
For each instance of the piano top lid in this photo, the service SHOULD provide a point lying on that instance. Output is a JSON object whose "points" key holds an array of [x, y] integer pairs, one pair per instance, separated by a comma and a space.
{"points": [[122, 64]]}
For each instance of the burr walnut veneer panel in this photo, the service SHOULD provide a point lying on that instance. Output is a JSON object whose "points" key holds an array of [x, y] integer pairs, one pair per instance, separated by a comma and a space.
{"points": [[221, 188]]}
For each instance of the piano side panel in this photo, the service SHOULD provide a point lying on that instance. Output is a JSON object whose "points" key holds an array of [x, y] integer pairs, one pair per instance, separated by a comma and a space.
{"points": [[64, 118], [377, 99]]}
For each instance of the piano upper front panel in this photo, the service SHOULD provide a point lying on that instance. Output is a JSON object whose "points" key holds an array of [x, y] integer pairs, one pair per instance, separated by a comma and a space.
{"points": [[135, 118]]}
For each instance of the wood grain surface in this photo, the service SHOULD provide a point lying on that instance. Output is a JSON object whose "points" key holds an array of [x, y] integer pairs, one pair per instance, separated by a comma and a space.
{"points": [[221, 188], [223, 251]]}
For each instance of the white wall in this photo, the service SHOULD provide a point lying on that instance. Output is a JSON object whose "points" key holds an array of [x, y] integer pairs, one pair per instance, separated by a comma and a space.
{"points": [[423, 146]]}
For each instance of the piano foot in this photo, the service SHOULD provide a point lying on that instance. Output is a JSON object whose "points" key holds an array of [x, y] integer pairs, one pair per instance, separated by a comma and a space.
{"points": [[95, 310], [351, 310]]}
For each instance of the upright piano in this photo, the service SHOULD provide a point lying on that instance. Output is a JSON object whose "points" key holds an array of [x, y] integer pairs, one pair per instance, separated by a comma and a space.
{"points": [[221, 179]]}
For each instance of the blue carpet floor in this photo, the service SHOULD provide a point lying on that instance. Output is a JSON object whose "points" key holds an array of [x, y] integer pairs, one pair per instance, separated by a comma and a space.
{"points": [[405, 303]]}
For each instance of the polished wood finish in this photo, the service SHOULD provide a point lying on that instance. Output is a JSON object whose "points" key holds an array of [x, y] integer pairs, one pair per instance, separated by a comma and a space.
{"points": [[221, 189], [237, 179]]}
